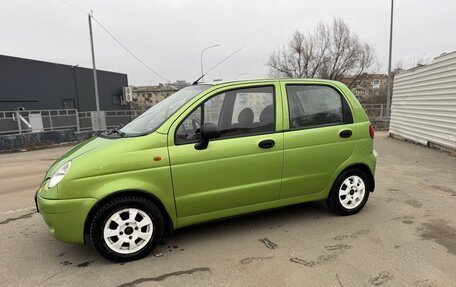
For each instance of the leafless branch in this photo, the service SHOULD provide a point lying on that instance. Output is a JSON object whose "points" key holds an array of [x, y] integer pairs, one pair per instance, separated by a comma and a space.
{"points": [[330, 51]]}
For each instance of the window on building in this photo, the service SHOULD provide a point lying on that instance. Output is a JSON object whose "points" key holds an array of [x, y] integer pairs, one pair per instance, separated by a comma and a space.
{"points": [[116, 100], [376, 84], [69, 104]]}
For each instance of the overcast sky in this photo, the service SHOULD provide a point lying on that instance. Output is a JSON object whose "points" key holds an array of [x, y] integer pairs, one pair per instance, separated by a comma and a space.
{"points": [[170, 34]]}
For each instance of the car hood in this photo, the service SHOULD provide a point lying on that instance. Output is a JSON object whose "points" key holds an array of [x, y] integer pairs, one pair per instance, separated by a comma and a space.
{"points": [[82, 148]]}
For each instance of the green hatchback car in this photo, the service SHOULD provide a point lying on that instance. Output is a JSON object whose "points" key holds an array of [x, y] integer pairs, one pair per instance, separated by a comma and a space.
{"points": [[207, 152]]}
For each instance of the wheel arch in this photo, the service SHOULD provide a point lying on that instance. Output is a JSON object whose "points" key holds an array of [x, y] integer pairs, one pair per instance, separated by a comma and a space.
{"points": [[169, 226], [365, 168]]}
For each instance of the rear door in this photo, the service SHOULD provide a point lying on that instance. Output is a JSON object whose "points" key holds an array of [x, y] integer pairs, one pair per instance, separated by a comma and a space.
{"points": [[319, 135]]}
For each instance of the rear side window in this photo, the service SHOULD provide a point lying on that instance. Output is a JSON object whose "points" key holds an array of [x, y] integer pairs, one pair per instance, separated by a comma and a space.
{"points": [[316, 105]]}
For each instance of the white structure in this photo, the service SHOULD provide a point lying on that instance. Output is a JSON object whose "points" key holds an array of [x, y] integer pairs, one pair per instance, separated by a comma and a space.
{"points": [[423, 107]]}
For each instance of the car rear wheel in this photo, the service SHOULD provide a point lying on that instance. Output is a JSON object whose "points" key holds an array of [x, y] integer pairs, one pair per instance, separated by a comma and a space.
{"points": [[126, 228], [349, 193]]}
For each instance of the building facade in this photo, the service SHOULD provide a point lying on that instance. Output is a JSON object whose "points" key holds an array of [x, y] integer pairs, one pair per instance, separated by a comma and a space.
{"points": [[368, 88], [38, 85], [145, 97]]}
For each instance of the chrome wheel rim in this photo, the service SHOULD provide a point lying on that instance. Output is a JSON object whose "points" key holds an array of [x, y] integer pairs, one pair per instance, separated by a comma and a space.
{"points": [[128, 230], [352, 192]]}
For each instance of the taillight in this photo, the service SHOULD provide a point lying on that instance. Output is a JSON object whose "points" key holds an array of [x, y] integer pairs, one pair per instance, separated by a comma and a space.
{"points": [[371, 131]]}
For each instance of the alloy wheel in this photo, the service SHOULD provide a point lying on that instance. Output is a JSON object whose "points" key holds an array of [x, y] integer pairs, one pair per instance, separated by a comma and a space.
{"points": [[352, 192], [128, 230]]}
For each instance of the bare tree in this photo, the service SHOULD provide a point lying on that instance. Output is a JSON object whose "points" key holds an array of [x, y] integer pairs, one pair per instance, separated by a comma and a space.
{"points": [[330, 51], [416, 61]]}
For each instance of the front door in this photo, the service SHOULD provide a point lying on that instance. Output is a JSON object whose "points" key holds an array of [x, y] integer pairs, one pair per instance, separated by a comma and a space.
{"points": [[236, 171]]}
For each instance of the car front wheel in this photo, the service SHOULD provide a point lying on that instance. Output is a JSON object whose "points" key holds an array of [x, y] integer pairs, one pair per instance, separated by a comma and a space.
{"points": [[126, 228]]}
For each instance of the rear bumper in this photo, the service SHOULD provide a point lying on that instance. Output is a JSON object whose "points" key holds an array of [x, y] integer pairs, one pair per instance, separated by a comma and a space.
{"points": [[373, 167], [65, 217], [372, 183]]}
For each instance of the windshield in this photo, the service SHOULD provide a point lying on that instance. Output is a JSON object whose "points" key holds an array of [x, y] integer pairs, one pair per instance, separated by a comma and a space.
{"points": [[150, 120]]}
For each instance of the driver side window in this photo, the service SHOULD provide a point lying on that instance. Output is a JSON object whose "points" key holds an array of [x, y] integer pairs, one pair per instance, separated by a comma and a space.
{"points": [[236, 112], [188, 130]]}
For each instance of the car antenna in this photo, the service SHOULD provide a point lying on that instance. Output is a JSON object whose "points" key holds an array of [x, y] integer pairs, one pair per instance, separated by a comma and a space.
{"points": [[196, 82], [215, 66]]}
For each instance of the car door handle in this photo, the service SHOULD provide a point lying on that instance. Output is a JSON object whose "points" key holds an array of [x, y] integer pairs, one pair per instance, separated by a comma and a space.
{"points": [[345, 133], [266, 144]]}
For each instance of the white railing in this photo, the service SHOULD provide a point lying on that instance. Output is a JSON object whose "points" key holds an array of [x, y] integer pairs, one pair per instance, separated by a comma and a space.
{"points": [[377, 115], [375, 111], [20, 122]]}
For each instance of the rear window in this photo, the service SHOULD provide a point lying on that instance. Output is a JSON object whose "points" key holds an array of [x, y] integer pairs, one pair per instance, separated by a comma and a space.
{"points": [[314, 106]]}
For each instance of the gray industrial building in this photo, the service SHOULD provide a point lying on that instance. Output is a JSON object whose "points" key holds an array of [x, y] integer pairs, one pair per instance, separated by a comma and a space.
{"points": [[38, 85]]}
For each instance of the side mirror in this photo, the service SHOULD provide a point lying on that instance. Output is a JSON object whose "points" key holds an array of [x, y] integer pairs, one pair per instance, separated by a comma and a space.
{"points": [[208, 131]]}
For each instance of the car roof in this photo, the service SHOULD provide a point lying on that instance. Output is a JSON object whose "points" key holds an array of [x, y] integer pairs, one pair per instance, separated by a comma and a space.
{"points": [[266, 80]]}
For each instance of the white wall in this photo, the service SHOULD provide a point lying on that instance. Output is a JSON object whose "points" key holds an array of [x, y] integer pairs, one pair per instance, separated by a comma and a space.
{"points": [[423, 107]]}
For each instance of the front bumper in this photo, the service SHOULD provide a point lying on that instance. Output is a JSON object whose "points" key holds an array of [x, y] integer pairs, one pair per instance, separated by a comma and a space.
{"points": [[65, 217]]}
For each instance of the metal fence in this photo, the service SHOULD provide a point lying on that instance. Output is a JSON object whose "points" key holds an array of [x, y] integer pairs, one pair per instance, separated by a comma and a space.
{"points": [[109, 119], [377, 115], [20, 122]]}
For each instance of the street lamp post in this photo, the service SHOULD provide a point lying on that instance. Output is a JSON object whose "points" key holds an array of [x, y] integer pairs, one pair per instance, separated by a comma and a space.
{"points": [[95, 81], [202, 53], [240, 75], [390, 76]]}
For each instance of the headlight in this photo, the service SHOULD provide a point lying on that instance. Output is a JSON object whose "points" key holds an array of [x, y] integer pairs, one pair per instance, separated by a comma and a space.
{"points": [[59, 174]]}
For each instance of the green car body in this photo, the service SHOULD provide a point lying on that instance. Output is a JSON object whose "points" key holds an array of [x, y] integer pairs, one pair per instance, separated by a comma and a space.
{"points": [[231, 176]]}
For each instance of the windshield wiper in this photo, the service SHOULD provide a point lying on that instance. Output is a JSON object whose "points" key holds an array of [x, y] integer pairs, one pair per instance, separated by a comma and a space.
{"points": [[116, 131]]}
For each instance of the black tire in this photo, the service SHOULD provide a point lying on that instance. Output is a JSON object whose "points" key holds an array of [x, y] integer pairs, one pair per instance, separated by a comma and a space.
{"points": [[108, 209], [334, 202]]}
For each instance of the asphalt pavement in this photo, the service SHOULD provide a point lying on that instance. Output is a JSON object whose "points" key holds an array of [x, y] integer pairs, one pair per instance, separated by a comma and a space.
{"points": [[405, 236]]}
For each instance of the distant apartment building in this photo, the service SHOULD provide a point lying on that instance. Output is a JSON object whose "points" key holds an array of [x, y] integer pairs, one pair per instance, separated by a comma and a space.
{"points": [[145, 97], [368, 88], [180, 84]]}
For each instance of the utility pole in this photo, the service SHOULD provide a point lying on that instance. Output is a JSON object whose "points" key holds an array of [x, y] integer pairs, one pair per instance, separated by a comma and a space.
{"points": [[95, 81], [390, 76]]}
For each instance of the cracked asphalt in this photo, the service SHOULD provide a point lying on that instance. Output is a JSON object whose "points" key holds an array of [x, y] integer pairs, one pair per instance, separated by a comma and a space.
{"points": [[405, 236]]}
